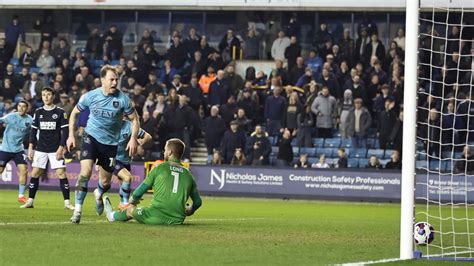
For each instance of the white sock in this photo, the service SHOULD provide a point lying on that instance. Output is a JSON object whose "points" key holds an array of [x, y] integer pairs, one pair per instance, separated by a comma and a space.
{"points": [[78, 208], [67, 202]]}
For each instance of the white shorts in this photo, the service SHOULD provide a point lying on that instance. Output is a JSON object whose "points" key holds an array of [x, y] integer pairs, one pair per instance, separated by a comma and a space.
{"points": [[40, 160]]}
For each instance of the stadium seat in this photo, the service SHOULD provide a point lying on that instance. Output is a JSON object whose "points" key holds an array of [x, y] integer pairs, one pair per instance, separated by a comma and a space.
{"points": [[358, 153], [99, 63], [14, 61], [274, 150], [362, 162], [436, 165], [336, 133], [309, 151], [384, 162], [325, 151], [377, 152], [296, 151], [346, 143], [294, 142], [421, 155], [334, 152], [34, 69], [318, 142], [388, 154], [421, 164], [332, 162], [447, 166], [114, 62], [332, 143], [353, 163], [312, 160], [371, 143], [372, 133], [419, 145]]}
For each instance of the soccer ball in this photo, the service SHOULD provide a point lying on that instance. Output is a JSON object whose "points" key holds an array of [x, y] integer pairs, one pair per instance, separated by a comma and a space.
{"points": [[423, 233]]}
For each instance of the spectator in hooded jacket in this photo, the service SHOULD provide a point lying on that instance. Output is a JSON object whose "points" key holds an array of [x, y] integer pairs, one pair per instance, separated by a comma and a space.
{"points": [[325, 110], [358, 123]]}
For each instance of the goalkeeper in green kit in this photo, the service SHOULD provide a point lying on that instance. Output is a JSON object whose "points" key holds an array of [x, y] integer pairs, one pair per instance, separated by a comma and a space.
{"points": [[172, 184]]}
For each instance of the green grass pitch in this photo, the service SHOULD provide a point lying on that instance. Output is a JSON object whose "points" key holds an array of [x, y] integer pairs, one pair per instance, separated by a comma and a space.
{"points": [[224, 231]]}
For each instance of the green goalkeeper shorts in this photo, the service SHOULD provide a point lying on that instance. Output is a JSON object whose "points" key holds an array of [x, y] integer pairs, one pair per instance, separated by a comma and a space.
{"points": [[152, 216]]}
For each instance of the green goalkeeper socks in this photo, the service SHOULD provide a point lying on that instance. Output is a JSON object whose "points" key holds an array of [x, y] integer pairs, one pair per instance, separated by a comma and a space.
{"points": [[121, 216]]}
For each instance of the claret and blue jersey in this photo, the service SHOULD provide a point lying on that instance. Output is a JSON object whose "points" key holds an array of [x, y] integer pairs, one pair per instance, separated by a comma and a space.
{"points": [[125, 134]]}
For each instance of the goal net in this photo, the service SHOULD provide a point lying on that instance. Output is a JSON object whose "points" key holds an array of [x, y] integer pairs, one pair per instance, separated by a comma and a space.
{"points": [[444, 154]]}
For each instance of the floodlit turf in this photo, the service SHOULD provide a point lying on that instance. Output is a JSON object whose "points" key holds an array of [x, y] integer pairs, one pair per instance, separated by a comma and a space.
{"points": [[223, 231]]}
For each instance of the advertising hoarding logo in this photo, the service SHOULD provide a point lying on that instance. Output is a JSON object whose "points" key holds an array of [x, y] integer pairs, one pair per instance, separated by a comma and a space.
{"points": [[220, 178]]}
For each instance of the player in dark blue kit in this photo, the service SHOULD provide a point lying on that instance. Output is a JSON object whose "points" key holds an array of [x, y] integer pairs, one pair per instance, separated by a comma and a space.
{"points": [[107, 106], [47, 141], [17, 126], [123, 159]]}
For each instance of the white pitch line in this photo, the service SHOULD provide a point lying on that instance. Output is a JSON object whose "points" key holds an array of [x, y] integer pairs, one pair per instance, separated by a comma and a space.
{"points": [[99, 222], [369, 262]]}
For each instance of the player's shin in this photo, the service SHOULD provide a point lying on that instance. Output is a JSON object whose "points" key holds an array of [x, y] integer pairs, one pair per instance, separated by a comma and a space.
{"points": [[121, 216], [81, 192], [124, 192], [33, 187]]}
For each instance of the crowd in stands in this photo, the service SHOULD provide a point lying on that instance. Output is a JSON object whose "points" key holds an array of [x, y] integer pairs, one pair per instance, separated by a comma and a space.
{"points": [[348, 88]]}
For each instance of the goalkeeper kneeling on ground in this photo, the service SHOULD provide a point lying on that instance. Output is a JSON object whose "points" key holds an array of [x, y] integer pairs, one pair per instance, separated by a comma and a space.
{"points": [[172, 184]]}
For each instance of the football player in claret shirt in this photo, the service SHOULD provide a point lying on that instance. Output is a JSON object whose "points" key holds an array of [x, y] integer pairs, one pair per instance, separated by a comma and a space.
{"points": [[47, 141], [17, 126], [108, 105], [172, 185]]}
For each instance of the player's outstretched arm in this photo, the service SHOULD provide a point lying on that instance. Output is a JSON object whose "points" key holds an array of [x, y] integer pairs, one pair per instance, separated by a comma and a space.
{"points": [[138, 193], [133, 143], [71, 141], [197, 201]]}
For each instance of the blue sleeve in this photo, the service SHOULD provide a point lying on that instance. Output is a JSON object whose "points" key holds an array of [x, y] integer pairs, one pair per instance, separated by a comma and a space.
{"points": [[141, 133], [127, 105], [84, 102], [4, 120]]}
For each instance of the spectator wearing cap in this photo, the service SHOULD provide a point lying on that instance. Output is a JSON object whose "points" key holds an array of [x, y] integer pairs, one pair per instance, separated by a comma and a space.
{"points": [[64, 104], [214, 128], [219, 90], [279, 46], [206, 80], [314, 62], [274, 110], [258, 147], [292, 52], [330, 64], [176, 84], [358, 124], [387, 119], [233, 139], [345, 107], [325, 109], [379, 102]]}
